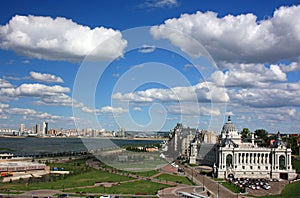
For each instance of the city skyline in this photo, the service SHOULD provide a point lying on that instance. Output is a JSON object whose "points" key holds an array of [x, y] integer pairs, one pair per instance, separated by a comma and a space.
{"points": [[146, 65]]}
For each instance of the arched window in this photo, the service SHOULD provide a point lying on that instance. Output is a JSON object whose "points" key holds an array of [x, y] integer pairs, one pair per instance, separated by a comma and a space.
{"points": [[282, 164], [229, 160]]}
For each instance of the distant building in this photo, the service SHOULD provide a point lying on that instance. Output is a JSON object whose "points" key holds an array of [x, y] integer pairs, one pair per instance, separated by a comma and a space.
{"points": [[45, 129], [37, 128], [22, 128], [120, 133], [52, 132], [202, 148], [9, 163], [179, 142]]}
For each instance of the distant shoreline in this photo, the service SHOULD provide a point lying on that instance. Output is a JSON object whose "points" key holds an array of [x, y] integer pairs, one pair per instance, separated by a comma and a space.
{"points": [[105, 138]]}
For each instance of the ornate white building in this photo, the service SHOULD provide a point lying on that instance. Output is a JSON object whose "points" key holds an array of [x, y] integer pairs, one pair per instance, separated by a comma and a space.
{"points": [[232, 157]]}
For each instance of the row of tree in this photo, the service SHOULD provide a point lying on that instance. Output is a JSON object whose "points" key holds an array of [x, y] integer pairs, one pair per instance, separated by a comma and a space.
{"points": [[262, 138]]}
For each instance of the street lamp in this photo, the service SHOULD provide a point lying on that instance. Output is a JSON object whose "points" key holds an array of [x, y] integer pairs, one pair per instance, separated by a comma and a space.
{"points": [[203, 182], [192, 174], [218, 190]]}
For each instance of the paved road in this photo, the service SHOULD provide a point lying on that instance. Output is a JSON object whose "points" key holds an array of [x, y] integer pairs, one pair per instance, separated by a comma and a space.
{"points": [[214, 187], [37, 193]]}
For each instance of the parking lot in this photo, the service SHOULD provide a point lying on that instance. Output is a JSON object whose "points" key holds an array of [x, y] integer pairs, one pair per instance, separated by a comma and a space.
{"points": [[259, 187]]}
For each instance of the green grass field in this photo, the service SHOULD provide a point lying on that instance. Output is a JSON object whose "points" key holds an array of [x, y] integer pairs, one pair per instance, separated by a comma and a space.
{"points": [[146, 173], [141, 187], [86, 178], [231, 187], [175, 178]]}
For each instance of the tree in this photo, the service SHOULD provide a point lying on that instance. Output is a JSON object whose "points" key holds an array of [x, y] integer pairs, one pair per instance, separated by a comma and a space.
{"points": [[245, 133], [261, 137]]}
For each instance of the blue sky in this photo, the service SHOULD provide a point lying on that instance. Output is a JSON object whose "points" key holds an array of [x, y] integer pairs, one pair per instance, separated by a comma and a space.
{"points": [[146, 65]]}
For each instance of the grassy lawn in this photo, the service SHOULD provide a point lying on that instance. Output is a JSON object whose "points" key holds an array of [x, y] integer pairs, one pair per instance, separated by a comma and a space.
{"points": [[290, 190], [193, 165], [141, 187], [87, 178], [146, 173], [139, 166], [231, 187], [216, 179], [175, 178], [72, 165]]}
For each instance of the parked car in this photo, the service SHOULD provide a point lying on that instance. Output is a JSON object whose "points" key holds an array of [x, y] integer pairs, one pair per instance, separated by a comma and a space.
{"points": [[266, 187]]}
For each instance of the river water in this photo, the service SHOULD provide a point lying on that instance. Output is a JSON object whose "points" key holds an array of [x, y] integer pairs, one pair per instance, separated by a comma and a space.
{"points": [[35, 146]]}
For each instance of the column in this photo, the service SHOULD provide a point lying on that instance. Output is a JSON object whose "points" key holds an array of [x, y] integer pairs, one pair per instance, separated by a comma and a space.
{"points": [[235, 158], [276, 160], [286, 162], [224, 160], [273, 160], [221, 160], [289, 161]]}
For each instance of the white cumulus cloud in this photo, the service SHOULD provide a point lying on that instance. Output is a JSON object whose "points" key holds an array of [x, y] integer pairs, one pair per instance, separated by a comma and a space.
{"points": [[294, 66], [137, 109], [273, 95], [240, 38], [110, 109], [59, 39], [5, 84], [147, 49], [202, 92], [46, 77], [246, 75], [34, 90]]}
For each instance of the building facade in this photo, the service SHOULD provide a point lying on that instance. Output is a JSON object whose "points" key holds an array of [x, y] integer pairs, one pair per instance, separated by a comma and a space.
{"points": [[179, 142], [234, 158]]}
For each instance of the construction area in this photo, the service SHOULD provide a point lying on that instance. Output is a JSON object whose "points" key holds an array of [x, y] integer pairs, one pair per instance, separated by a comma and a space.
{"points": [[12, 169]]}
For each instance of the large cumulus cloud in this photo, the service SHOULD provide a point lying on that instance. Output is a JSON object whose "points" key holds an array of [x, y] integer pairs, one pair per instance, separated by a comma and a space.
{"points": [[237, 39], [59, 39]]}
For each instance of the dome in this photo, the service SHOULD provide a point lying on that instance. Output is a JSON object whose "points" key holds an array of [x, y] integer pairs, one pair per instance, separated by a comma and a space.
{"points": [[228, 127]]}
